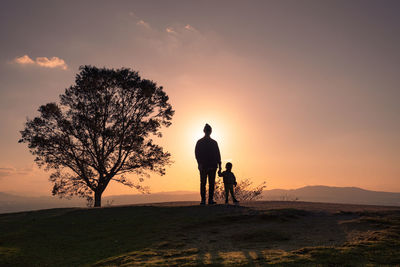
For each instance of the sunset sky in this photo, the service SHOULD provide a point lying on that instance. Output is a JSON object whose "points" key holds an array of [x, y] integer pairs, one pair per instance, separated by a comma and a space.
{"points": [[297, 92]]}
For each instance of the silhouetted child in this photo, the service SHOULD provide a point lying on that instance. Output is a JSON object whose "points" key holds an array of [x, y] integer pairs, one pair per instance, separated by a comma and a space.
{"points": [[229, 182]]}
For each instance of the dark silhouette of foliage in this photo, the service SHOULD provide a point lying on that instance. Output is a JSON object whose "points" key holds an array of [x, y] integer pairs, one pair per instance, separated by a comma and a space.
{"points": [[101, 130], [244, 191]]}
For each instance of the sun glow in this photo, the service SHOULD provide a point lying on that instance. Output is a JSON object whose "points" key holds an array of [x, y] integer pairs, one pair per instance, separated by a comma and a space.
{"points": [[195, 131], [221, 133]]}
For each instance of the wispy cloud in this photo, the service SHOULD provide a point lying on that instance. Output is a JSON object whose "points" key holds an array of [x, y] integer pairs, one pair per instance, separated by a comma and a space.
{"points": [[189, 27], [8, 171], [24, 60], [168, 39], [170, 30], [180, 29], [53, 62], [143, 24]]}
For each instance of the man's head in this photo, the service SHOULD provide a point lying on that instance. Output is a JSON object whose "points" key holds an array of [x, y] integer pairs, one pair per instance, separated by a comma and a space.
{"points": [[228, 166], [207, 130]]}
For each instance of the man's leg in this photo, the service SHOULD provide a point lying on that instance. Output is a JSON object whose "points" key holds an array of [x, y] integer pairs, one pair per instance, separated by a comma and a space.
{"points": [[211, 185], [203, 181]]}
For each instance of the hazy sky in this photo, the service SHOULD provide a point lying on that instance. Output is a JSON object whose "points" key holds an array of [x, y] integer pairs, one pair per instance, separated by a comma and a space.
{"points": [[298, 92]]}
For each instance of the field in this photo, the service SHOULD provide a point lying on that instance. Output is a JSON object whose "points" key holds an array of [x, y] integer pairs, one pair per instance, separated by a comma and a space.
{"points": [[183, 233]]}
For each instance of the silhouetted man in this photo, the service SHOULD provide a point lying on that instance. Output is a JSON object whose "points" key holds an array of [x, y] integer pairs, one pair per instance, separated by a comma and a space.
{"points": [[208, 158]]}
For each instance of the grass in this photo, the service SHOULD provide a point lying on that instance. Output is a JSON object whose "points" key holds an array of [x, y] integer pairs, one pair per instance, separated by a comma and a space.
{"points": [[198, 236], [260, 236]]}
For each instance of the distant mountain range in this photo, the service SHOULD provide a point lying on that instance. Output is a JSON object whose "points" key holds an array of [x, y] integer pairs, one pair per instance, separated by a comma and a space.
{"points": [[346, 195], [15, 203], [349, 195]]}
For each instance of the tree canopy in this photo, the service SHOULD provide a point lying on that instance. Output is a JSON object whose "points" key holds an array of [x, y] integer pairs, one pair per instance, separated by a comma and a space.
{"points": [[101, 130]]}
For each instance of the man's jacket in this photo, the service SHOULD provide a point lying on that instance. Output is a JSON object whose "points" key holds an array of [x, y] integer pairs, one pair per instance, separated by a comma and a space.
{"points": [[207, 153]]}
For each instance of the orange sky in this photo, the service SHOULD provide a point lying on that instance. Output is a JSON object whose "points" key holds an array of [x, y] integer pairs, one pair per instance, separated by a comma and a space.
{"points": [[295, 96]]}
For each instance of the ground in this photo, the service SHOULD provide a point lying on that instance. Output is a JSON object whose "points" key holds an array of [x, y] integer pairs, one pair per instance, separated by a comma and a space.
{"points": [[184, 233]]}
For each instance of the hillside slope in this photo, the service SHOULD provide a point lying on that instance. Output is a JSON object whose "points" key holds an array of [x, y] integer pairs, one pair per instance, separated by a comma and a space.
{"points": [[181, 233]]}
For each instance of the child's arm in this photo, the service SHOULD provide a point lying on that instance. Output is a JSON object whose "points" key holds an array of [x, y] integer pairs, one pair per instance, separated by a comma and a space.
{"points": [[219, 173], [234, 180]]}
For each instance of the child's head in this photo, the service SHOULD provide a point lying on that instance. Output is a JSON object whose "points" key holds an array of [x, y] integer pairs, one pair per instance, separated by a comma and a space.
{"points": [[228, 166]]}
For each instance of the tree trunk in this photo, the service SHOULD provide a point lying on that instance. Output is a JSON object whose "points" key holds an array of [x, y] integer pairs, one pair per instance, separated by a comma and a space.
{"points": [[97, 198]]}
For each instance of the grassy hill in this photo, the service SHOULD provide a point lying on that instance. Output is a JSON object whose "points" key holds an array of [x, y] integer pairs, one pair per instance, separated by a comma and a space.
{"points": [[183, 233]]}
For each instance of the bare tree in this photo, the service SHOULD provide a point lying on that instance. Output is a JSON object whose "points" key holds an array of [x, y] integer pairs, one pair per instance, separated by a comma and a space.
{"points": [[100, 131]]}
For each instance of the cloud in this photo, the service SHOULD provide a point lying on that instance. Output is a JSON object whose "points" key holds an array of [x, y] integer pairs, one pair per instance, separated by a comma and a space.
{"points": [[181, 38], [24, 60], [170, 30], [143, 24], [6, 171], [189, 27], [179, 29], [54, 62], [139, 21]]}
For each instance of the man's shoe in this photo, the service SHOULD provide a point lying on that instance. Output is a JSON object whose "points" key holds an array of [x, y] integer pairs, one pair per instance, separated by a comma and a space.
{"points": [[202, 203], [212, 202], [236, 202]]}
